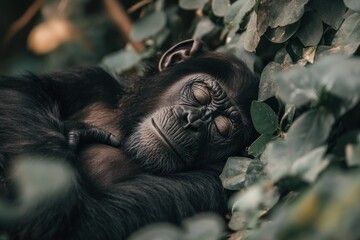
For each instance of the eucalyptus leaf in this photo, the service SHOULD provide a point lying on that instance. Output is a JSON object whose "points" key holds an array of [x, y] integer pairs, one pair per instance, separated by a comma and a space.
{"points": [[279, 13], [353, 154], [219, 7], [325, 51], [120, 61], [282, 34], [266, 85], [148, 26], [309, 166], [342, 80], [264, 118], [353, 5], [192, 4], [251, 37], [236, 13], [205, 226], [204, 26], [288, 117], [311, 29], [261, 196], [349, 31], [331, 12], [308, 132], [297, 86], [236, 47], [234, 172], [159, 231], [258, 146]]}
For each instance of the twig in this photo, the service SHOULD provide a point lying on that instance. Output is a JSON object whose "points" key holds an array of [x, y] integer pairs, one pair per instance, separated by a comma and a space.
{"points": [[122, 20], [138, 5], [22, 21]]}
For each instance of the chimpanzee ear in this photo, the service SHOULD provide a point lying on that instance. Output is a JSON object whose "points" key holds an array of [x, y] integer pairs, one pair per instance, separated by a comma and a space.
{"points": [[180, 52]]}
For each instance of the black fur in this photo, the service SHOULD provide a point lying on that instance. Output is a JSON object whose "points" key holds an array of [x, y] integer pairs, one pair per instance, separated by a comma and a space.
{"points": [[35, 115]]}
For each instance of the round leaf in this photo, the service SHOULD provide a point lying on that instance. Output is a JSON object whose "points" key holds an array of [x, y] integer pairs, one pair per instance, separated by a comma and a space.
{"points": [[308, 132], [204, 26], [258, 146], [235, 14], [282, 34], [219, 7], [234, 172], [311, 29], [331, 12], [121, 60], [264, 118], [148, 25], [296, 86], [349, 31], [353, 5], [203, 226], [279, 13], [159, 231], [251, 38], [192, 4]]}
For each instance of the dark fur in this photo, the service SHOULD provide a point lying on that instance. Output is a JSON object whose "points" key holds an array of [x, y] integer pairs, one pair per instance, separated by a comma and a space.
{"points": [[112, 196]]}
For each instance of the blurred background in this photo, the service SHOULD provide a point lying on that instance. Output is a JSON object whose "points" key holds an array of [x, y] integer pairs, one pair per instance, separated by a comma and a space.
{"points": [[47, 35]]}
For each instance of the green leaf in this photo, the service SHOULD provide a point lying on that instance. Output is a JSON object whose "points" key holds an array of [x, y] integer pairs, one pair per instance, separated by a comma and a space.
{"points": [[331, 12], [353, 5], [310, 30], [353, 153], [279, 13], [219, 7], [266, 86], [258, 146], [309, 166], [341, 79], [297, 86], [235, 46], [236, 13], [121, 60], [257, 197], [282, 34], [324, 51], [192, 4], [264, 118], [148, 25], [251, 37], [349, 31], [204, 226], [234, 172], [158, 231], [204, 26], [288, 117], [308, 132]]}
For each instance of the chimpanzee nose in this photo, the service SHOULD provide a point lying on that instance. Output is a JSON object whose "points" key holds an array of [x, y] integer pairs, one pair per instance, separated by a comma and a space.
{"points": [[190, 117]]}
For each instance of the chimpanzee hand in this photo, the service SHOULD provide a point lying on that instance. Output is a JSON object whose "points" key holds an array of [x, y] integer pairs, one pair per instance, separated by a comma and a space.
{"points": [[78, 132]]}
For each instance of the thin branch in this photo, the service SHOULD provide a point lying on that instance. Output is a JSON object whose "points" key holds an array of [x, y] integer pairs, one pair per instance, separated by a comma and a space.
{"points": [[138, 5], [22, 21], [121, 19]]}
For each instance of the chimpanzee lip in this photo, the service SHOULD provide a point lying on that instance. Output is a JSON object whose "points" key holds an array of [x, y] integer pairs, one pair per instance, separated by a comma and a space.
{"points": [[165, 140]]}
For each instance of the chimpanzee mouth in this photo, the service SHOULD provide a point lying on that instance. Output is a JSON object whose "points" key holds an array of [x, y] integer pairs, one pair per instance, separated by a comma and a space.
{"points": [[165, 140]]}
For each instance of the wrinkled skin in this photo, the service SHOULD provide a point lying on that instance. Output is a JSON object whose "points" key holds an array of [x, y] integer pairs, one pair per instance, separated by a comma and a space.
{"points": [[196, 120]]}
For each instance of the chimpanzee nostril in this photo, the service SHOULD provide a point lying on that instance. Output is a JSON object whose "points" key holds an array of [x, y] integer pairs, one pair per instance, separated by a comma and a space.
{"points": [[190, 117]]}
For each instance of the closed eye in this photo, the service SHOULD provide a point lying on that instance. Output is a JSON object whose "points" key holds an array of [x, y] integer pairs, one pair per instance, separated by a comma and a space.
{"points": [[223, 125], [201, 94]]}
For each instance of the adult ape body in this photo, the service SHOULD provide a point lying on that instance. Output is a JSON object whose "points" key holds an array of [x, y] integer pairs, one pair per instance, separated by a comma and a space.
{"points": [[174, 128]]}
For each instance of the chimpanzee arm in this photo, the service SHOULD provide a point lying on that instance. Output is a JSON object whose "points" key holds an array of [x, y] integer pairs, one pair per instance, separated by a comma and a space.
{"points": [[115, 213], [76, 89], [33, 108]]}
